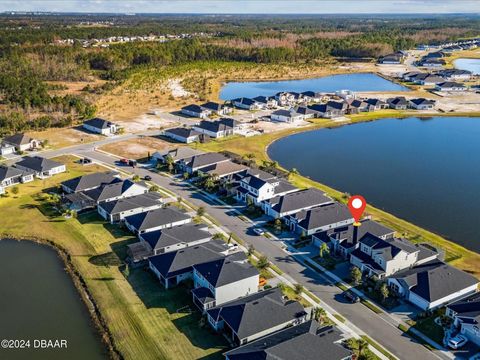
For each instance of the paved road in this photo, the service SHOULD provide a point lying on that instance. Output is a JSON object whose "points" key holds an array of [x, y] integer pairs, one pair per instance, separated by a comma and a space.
{"points": [[376, 326]]}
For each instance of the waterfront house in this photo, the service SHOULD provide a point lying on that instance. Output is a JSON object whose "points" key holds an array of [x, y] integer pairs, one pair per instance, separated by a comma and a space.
{"points": [[216, 108], [289, 116], [257, 188], [266, 102], [116, 210], [21, 142], [100, 126], [222, 280], [455, 75], [450, 86], [429, 80], [192, 164], [222, 170], [376, 104], [255, 316], [247, 104], [398, 103], [41, 167], [311, 221], [411, 75], [182, 134], [422, 104], [285, 98], [356, 105], [291, 203], [176, 154], [195, 111], [307, 112], [466, 317], [158, 219], [307, 341], [432, 284], [90, 181], [311, 96], [393, 59], [10, 176], [217, 129]]}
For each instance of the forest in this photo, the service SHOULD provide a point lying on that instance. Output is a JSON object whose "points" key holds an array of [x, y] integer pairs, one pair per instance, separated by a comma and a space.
{"points": [[30, 57]]}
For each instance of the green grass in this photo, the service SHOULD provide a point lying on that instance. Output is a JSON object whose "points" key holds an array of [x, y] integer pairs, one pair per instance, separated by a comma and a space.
{"points": [[430, 328], [340, 318], [140, 315], [343, 287], [371, 306], [378, 347], [406, 330], [290, 294]]}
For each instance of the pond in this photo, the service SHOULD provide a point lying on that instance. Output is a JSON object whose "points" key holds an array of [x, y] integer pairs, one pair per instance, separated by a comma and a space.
{"points": [[426, 171], [39, 301], [354, 82], [472, 65]]}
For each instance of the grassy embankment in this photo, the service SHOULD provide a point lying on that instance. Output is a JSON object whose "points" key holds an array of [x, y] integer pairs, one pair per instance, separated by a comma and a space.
{"points": [[139, 314], [457, 255]]}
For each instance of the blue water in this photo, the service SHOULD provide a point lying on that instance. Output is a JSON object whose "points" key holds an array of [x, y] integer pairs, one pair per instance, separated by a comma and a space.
{"points": [[426, 171], [472, 65], [354, 82]]}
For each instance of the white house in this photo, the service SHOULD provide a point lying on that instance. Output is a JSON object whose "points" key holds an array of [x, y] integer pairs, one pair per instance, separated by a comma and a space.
{"points": [[182, 134], [157, 219], [266, 102], [41, 167], [196, 111], [450, 86], [466, 316], [286, 116], [263, 186], [422, 104], [217, 108], [100, 126], [217, 129], [20, 142], [11, 176], [6, 149], [116, 210], [247, 104]]}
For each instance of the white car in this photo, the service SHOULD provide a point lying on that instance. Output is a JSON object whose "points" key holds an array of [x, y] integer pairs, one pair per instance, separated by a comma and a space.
{"points": [[457, 342], [258, 231]]}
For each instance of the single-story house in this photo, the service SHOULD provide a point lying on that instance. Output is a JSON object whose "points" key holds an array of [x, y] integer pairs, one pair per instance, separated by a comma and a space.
{"points": [[217, 129], [255, 316], [466, 316], [182, 134], [176, 154], [41, 167], [173, 267], [455, 75], [377, 104], [116, 210], [288, 204], [285, 98], [307, 112], [222, 280], [422, 104], [410, 75], [100, 126], [450, 86], [216, 108], [192, 164], [286, 116], [6, 149], [430, 80], [21, 142], [311, 221], [432, 284], [266, 102], [307, 341], [398, 103], [432, 63], [195, 111], [357, 105], [391, 59], [11, 176], [222, 170], [247, 104], [90, 181], [311, 96], [157, 219], [116, 190]]}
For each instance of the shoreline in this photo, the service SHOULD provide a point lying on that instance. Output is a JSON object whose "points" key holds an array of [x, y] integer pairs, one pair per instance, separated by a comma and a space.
{"points": [[96, 318]]}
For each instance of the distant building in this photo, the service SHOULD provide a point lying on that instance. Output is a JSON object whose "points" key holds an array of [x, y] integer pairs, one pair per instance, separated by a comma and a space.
{"points": [[181, 134], [287, 116], [196, 111], [100, 126], [450, 86]]}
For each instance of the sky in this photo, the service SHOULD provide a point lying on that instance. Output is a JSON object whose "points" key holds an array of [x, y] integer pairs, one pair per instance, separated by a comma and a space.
{"points": [[245, 6]]}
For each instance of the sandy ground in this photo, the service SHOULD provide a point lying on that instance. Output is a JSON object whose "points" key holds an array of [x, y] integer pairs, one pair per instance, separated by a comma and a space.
{"points": [[58, 138], [176, 88], [137, 148], [146, 122]]}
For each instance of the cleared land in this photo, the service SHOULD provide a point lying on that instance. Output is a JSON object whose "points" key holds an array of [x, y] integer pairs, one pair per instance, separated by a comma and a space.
{"points": [[140, 315], [137, 148]]}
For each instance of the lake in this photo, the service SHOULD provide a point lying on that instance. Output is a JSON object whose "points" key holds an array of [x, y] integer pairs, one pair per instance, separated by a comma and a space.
{"points": [[426, 171], [39, 301], [354, 82], [472, 65]]}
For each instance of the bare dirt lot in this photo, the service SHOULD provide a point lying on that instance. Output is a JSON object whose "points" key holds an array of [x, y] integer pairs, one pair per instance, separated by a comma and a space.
{"points": [[137, 148], [62, 137]]}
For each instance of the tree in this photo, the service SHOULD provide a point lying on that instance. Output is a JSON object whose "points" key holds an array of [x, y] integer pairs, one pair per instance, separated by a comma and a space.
{"points": [[201, 211], [169, 162], [356, 275], [362, 346], [250, 250], [185, 175], [154, 188], [298, 289], [384, 291], [324, 249], [15, 190], [210, 182], [262, 263], [319, 314], [278, 226], [292, 172], [136, 178], [45, 143]]}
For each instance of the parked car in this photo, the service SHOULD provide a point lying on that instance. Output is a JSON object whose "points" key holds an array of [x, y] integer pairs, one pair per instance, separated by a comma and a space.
{"points": [[457, 342], [132, 163], [147, 178], [258, 231], [86, 161], [124, 161], [350, 296]]}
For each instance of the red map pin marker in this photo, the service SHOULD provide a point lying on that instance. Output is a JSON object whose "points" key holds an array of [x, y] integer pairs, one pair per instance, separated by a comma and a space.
{"points": [[357, 205]]}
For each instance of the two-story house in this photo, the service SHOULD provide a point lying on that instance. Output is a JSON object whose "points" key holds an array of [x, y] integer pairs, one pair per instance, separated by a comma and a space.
{"points": [[259, 188]]}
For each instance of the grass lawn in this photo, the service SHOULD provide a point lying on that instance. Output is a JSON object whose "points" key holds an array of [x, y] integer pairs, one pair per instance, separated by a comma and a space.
{"points": [[140, 315], [430, 329], [290, 294]]}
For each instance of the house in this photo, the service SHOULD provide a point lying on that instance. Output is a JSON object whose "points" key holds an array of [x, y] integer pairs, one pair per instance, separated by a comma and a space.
{"points": [[255, 316], [266, 102], [6, 149], [284, 98], [311, 221], [291, 203], [422, 104], [41, 167], [311, 96], [219, 281], [346, 94], [195, 111], [343, 240], [192, 164], [217, 129], [429, 80], [257, 188], [100, 126], [398, 103], [382, 258], [432, 284], [432, 63], [455, 75], [115, 191], [182, 134], [175, 238], [410, 75], [395, 58], [356, 105], [377, 104], [157, 219], [10, 176], [216, 108], [307, 341], [116, 210], [221, 170], [176, 154], [247, 104], [324, 111], [21, 142], [286, 116], [173, 267], [466, 316], [89, 181], [307, 112], [450, 86]]}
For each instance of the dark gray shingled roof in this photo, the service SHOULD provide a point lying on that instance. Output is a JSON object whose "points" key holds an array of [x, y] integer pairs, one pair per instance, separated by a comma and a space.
{"points": [[7, 172], [212, 106], [178, 262], [110, 190], [307, 341], [154, 218], [434, 280], [217, 126], [182, 132], [183, 234], [205, 159], [91, 181], [322, 216], [193, 108], [98, 123], [226, 271], [258, 312], [298, 200], [131, 203], [38, 163], [468, 307], [390, 247], [179, 153], [18, 139]]}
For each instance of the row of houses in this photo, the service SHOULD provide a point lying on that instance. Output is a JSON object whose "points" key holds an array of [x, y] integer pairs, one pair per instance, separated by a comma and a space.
{"points": [[27, 169], [436, 59], [445, 80]]}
